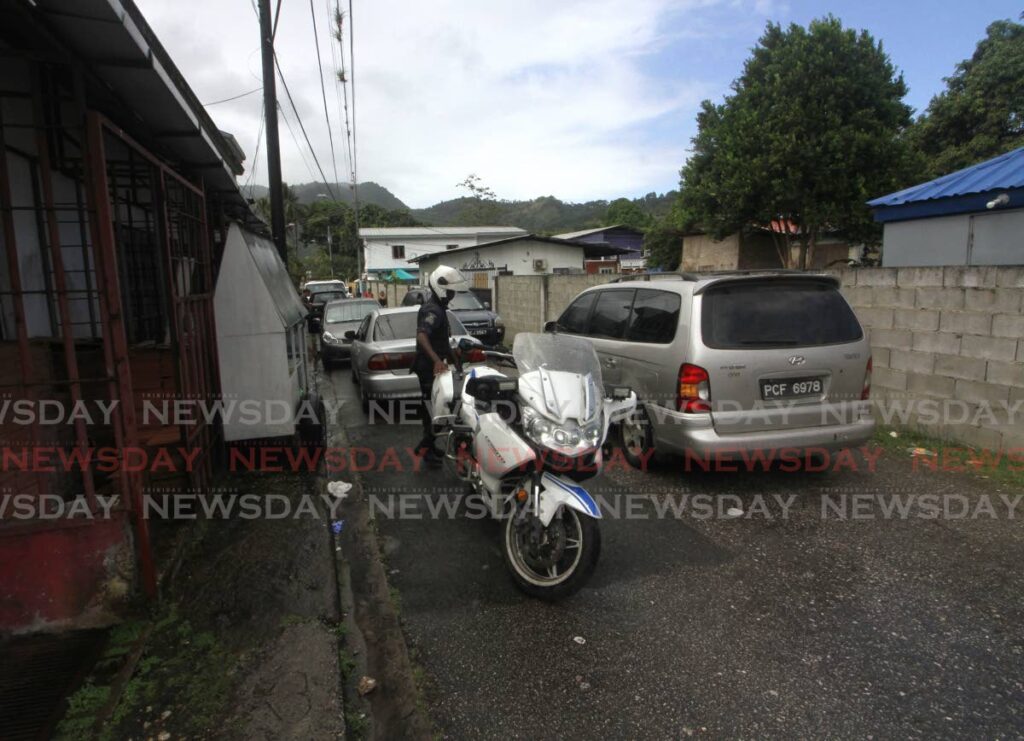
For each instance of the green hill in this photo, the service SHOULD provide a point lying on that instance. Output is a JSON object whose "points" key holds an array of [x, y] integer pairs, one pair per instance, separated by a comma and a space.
{"points": [[544, 215], [369, 192]]}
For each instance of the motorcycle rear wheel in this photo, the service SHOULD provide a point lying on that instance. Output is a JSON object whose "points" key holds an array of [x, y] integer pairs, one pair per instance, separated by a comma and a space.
{"points": [[553, 579]]}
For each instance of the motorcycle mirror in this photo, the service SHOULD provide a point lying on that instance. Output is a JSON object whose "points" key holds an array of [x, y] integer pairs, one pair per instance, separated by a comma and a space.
{"points": [[619, 393], [489, 388], [350, 335]]}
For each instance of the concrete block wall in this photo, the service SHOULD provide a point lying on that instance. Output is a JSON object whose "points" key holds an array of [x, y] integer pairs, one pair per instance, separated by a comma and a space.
{"points": [[953, 335], [525, 302]]}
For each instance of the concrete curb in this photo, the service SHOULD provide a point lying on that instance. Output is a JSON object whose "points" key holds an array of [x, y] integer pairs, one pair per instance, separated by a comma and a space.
{"points": [[373, 635]]}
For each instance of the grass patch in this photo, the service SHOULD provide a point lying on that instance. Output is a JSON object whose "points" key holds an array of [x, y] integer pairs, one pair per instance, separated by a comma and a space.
{"points": [[346, 664], [181, 669], [356, 725], [943, 455], [80, 718]]}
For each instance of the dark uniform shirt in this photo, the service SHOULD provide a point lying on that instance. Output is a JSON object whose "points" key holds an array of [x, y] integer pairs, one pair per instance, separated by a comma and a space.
{"points": [[433, 320]]}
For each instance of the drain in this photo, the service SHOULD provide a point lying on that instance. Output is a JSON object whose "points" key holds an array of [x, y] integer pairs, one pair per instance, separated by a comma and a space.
{"points": [[37, 673]]}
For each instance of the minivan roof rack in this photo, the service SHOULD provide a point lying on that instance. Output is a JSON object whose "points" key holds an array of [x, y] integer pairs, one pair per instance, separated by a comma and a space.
{"points": [[691, 276], [655, 276]]}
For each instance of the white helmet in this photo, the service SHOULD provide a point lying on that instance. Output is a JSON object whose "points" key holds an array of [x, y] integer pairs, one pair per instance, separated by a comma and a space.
{"points": [[445, 282]]}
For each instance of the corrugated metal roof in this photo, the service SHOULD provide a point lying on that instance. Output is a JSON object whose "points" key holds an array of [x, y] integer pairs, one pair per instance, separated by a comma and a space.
{"points": [[142, 91], [275, 275], [999, 173], [590, 249], [598, 230]]}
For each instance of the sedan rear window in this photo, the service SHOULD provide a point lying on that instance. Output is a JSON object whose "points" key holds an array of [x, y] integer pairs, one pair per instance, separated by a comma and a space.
{"points": [[349, 311], [776, 314], [402, 326]]}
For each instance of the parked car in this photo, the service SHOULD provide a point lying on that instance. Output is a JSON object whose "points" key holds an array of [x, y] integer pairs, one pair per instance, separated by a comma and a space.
{"points": [[730, 364], [339, 318], [322, 292], [476, 317], [383, 348], [314, 286]]}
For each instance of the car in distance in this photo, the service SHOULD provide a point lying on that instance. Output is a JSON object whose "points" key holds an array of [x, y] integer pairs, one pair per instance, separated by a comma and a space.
{"points": [[322, 292], [478, 319], [339, 318], [383, 349], [732, 364]]}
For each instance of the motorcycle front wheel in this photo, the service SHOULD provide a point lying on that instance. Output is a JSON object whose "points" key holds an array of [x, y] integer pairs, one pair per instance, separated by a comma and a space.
{"points": [[554, 562]]}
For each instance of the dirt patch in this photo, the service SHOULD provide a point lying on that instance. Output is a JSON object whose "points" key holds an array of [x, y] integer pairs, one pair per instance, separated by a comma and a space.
{"points": [[246, 641]]}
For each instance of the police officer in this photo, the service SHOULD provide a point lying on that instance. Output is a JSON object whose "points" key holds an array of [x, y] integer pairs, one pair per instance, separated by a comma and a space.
{"points": [[433, 347]]}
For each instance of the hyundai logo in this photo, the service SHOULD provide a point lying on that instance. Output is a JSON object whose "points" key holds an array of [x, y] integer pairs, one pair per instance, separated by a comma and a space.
{"points": [[796, 360]]}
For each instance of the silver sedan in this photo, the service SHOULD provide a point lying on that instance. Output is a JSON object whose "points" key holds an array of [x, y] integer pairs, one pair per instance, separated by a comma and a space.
{"points": [[383, 349]]}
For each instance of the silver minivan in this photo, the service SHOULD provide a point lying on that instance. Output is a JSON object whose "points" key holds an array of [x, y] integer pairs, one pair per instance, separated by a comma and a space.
{"points": [[754, 365]]}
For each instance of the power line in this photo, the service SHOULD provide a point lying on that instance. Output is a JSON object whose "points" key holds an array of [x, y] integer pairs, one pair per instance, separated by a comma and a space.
{"points": [[302, 128], [295, 140], [352, 82], [235, 97], [295, 110], [277, 16], [256, 154], [333, 14], [343, 79], [323, 91]]}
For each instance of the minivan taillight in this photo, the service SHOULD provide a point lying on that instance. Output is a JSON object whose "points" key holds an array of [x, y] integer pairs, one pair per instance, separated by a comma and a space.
{"points": [[694, 389], [866, 391], [390, 361]]}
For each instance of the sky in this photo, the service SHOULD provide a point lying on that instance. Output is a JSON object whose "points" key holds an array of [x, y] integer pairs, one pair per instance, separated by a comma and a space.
{"points": [[580, 99]]}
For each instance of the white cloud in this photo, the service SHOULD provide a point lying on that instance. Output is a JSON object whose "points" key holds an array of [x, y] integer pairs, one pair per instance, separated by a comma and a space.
{"points": [[535, 96]]}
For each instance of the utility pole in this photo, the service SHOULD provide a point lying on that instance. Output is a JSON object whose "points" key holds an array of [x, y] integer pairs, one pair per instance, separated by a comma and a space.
{"points": [[273, 142]]}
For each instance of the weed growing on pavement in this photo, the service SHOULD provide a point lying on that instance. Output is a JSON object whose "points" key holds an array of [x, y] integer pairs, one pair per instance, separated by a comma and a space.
{"points": [[83, 706], [953, 457], [356, 725], [346, 664], [181, 670], [396, 600]]}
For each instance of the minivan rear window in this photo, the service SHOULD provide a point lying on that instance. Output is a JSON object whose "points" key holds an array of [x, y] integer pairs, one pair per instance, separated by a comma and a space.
{"points": [[776, 314]]}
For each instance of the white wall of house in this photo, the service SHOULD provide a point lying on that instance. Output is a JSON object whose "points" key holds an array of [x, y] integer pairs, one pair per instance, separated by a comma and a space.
{"points": [[517, 257], [380, 245]]}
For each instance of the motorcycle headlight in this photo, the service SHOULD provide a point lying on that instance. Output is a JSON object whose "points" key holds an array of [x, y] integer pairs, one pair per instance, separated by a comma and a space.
{"points": [[569, 438]]}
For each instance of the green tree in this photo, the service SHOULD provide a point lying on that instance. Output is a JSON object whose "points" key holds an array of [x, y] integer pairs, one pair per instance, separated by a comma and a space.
{"points": [[483, 208], [664, 240], [980, 114], [814, 127], [627, 212]]}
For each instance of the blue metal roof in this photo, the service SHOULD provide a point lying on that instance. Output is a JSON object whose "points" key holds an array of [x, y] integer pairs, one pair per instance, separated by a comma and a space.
{"points": [[1004, 172]]}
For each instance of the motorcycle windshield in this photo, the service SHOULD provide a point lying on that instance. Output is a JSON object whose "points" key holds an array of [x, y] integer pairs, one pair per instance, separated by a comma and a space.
{"points": [[556, 352], [561, 374]]}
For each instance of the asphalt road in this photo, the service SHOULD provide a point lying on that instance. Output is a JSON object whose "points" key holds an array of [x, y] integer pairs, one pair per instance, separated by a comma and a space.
{"points": [[762, 625]]}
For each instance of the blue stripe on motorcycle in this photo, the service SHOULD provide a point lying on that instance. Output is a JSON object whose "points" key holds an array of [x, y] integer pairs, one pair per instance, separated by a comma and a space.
{"points": [[580, 494]]}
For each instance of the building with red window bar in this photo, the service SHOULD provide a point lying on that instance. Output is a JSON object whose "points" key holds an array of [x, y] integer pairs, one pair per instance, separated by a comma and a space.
{"points": [[116, 191]]}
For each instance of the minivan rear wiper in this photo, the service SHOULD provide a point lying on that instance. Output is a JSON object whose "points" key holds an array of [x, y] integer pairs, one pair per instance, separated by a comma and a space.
{"points": [[770, 342]]}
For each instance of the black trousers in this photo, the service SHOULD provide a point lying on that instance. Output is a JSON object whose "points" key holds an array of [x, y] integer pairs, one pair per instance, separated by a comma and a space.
{"points": [[426, 385]]}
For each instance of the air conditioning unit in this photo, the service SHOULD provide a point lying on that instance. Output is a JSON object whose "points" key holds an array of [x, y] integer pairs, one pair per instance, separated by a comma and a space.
{"points": [[539, 266]]}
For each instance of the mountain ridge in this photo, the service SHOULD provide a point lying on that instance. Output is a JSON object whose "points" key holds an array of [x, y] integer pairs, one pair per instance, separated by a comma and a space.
{"points": [[544, 214]]}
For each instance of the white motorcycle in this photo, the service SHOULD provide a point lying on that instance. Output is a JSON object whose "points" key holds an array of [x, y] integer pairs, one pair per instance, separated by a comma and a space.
{"points": [[524, 443]]}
